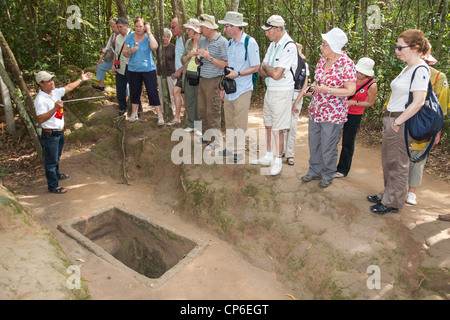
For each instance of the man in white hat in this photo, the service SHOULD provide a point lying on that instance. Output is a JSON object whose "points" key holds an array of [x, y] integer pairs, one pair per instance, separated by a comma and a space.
{"points": [[212, 52], [49, 111], [243, 61], [278, 67]]}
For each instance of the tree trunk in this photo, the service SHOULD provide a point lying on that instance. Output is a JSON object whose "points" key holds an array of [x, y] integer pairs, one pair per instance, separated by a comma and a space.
{"points": [[12, 67], [235, 5], [443, 27], [9, 113], [23, 112], [199, 7], [122, 9]]}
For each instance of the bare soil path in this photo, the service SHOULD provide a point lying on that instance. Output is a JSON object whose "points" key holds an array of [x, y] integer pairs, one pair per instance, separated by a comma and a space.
{"points": [[337, 217]]}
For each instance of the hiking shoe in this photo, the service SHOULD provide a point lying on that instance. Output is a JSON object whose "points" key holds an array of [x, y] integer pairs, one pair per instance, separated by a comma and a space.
{"points": [[265, 161], [374, 199], [276, 167], [380, 208], [411, 198], [309, 178], [324, 183]]}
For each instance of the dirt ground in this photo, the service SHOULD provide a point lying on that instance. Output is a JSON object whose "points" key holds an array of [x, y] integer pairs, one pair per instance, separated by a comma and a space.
{"points": [[266, 237]]}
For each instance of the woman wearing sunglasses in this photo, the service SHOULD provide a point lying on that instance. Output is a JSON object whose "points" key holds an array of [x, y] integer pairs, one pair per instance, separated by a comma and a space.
{"points": [[411, 46]]}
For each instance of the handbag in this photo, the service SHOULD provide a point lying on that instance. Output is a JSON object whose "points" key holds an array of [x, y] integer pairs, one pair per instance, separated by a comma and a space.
{"points": [[109, 55], [426, 123], [193, 77]]}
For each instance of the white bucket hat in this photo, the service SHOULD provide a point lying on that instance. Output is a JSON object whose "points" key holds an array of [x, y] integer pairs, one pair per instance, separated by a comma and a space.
{"points": [[192, 24], [365, 66], [43, 76], [336, 39], [234, 18]]}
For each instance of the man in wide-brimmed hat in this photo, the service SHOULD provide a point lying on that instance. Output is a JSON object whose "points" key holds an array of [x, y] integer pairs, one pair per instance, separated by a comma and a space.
{"points": [[213, 56], [243, 61]]}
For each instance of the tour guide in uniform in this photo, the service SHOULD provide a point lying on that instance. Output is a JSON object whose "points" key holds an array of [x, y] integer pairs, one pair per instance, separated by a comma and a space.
{"points": [[49, 111]]}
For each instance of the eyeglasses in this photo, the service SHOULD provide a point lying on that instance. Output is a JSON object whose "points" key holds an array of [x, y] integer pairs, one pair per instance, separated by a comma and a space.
{"points": [[323, 45], [399, 48]]}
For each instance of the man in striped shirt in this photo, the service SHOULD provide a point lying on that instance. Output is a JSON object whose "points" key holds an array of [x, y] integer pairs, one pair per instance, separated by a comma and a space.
{"points": [[213, 56]]}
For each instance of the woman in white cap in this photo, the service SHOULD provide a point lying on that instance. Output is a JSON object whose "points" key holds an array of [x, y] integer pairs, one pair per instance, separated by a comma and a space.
{"points": [[365, 96], [190, 86], [334, 81]]}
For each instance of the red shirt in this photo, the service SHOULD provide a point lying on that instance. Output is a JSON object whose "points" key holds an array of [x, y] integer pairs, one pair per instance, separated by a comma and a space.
{"points": [[360, 95]]}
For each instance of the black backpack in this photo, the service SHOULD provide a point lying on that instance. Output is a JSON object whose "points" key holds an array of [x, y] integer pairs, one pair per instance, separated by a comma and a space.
{"points": [[300, 73]]}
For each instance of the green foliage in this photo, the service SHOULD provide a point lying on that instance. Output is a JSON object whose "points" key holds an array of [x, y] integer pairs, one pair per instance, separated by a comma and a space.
{"points": [[38, 35]]}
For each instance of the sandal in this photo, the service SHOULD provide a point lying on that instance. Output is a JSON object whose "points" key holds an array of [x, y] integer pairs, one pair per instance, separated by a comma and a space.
{"points": [[134, 117], [63, 176], [290, 161], [58, 190], [174, 122], [339, 175], [160, 120]]}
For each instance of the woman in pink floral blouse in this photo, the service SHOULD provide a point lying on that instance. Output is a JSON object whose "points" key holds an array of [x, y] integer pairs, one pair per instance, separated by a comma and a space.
{"points": [[334, 81]]}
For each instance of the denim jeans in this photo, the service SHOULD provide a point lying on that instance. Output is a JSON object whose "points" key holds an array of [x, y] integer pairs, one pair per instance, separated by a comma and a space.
{"points": [[53, 146], [348, 143]]}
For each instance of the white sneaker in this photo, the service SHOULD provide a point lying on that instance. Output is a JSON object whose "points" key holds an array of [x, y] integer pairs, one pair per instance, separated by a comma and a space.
{"points": [[188, 129], [411, 198], [198, 133], [265, 161], [276, 167]]}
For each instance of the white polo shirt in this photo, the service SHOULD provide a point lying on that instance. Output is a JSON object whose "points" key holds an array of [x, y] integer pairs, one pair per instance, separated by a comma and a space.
{"points": [[44, 102]]}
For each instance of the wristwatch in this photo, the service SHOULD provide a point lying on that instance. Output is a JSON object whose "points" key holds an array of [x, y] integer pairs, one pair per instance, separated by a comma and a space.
{"points": [[211, 59], [239, 73]]}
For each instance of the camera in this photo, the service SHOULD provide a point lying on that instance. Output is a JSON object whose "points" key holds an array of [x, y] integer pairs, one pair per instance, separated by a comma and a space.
{"points": [[226, 71]]}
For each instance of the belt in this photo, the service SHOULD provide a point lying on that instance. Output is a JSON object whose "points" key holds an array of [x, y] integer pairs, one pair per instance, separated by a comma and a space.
{"points": [[392, 114], [52, 131]]}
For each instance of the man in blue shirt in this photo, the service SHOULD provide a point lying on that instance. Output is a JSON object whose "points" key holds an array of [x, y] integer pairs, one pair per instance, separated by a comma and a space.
{"points": [[243, 61]]}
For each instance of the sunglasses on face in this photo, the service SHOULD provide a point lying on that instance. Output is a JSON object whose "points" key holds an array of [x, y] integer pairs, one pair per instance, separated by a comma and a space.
{"points": [[399, 48]]}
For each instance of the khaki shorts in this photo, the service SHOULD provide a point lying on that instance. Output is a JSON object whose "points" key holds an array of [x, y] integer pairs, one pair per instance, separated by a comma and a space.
{"points": [[277, 109]]}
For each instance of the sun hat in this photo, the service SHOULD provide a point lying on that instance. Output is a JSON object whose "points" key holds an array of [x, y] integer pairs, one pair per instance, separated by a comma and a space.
{"points": [[43, 76], [192, 23], [207, 21], [273, 21], [336, 39], [234, 18], [365, 66]]}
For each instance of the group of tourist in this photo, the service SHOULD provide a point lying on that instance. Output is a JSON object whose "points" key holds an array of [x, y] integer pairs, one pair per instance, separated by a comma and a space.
{"points": [[340, 92]]}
